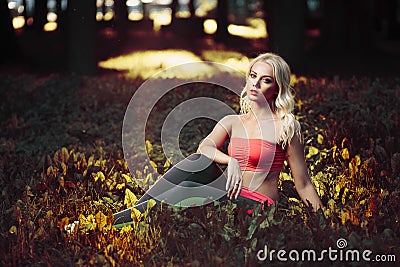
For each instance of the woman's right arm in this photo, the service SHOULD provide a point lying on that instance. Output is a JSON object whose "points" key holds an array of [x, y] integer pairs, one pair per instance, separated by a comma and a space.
{"points": [[210, 147]]}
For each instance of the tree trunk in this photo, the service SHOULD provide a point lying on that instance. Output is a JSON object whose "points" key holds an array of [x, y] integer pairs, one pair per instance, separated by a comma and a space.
{"points": [[192, 8], [285, 21], [121, 18], [39, 15], [347, 26], [174, 8], [8, 46], [81, 36], [61, 17], [222, 21]]}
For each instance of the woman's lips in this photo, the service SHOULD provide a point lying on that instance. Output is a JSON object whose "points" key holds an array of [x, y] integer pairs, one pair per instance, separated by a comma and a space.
{"points": [[253, 92]]}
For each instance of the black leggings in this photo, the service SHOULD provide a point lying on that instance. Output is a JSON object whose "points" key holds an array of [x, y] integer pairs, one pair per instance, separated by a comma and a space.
{"points": [[192, 179]]}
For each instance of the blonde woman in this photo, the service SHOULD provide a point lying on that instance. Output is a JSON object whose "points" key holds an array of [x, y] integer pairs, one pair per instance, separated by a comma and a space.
{"points": [[262, 137]]}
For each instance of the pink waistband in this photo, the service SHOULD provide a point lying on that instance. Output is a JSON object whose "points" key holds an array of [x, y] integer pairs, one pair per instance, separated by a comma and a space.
{"points": [[257, 196]]}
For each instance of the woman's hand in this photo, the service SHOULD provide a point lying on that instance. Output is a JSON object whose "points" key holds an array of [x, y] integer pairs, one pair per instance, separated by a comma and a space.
{"points": [[234, 180]]}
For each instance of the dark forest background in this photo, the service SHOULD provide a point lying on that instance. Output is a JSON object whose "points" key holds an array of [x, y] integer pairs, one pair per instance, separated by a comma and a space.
{"points": [[312, 35]]}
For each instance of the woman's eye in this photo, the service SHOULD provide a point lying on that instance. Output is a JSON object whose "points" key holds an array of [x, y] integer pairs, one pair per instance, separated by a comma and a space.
{"points": [[252, 75], [267, 81]]}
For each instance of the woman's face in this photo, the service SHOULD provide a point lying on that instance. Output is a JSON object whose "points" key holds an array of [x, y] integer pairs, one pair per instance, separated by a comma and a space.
{"points": [[261, 82]]}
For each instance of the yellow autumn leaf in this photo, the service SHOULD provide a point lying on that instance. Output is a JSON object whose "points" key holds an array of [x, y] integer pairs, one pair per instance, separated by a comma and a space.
{"points": [[49, 171], [149, 147], [120, 186], [358, 160], [99, 176], [312, 151], [167, 164], [127, 178], [343, 141], [145, 169], [337, 189], [101, 220], [13, 229], [64, 154], [320, 139], [285, 176], [345, 154], [334, 151], [110, 184], [126, 229], [293, 199], [88, 222], [90, 161], [136, 215], [154, 165], [149, 179], [151, 203], [64, 168], [299, 104], [130, 198], [331, 204], [82, 219]]}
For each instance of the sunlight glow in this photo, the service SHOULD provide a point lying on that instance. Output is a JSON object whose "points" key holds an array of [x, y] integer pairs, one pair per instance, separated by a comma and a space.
{"points": [[21, 9], [233, 59], [50, 26], [135, 15], [109, 3], [12, 5], [257, 29], [184, 14], [161, 18], [132, 3], [205, 7], [144, 64], [99, 3], [210, 26], [51, 16], [164, 2], [108, 16], [18, 22], [99, 16]]}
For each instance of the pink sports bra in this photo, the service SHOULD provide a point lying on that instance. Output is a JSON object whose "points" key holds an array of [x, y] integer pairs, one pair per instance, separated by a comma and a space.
{"points": [[256, 154]]}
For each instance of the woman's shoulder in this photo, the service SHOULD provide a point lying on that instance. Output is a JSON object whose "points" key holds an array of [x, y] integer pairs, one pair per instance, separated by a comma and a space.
{"points": [[231, 118]]}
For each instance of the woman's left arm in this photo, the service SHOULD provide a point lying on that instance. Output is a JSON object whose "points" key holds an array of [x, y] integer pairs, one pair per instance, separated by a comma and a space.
{"points": [[297, 163]]}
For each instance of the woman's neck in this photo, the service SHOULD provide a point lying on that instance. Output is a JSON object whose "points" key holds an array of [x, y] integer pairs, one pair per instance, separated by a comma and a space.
{"points": [[261, 112]]}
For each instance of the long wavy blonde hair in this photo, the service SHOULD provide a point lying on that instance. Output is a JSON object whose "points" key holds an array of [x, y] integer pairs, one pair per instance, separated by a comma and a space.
{"points": [[284, 100]]}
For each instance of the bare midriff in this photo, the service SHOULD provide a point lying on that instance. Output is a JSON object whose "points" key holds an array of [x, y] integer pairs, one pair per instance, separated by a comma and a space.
{"points": [[262, 182]]}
